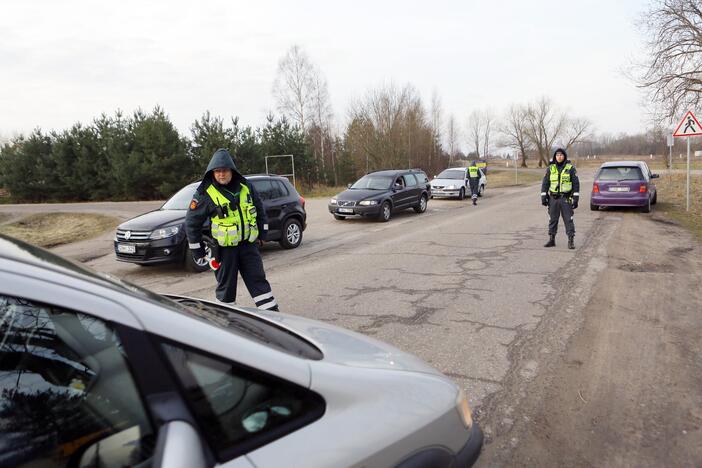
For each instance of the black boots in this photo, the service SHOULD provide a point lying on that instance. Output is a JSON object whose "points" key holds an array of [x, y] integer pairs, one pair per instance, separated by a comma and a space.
{"points": [[475, 201], [551, 241], [571, 242]]}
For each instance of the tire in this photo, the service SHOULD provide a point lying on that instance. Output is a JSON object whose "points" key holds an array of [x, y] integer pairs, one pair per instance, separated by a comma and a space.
{"points": [[594, 207], [291, 236], [462, 194], [647, 207], [385, 212], [339, 218], [421, 207], [481, 189], [190, 263]]}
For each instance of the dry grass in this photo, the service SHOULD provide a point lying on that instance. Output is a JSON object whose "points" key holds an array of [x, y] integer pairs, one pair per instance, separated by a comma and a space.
{"points": [[672, 201], [52, 229], [506, 178], [4, 217], [321, 191], [658, 163]]}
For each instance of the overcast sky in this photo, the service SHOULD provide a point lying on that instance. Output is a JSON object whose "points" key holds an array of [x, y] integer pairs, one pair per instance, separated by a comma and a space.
{"points": [[69, 61]]}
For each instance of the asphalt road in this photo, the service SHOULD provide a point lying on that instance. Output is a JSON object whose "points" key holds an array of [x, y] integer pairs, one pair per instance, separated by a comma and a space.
{"points": [[472, 291]]}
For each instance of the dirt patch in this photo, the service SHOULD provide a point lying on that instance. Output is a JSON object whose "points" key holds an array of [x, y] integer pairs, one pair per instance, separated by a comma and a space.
{"points": [[647, 268], [672, 201], [680, 251], [5, 217], [53, 229]]}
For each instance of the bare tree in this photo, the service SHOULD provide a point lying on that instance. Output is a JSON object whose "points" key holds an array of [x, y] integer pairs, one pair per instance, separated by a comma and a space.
{"points": [[475, 131], [514, 131], [577, 129], [544, 126], [321, 117], [293, 87], [672, 73], [488, 118], [436, 124], [452, 137]]}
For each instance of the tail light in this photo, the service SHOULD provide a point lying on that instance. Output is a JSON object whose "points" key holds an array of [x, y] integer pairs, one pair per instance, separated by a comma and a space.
{"points": [[643, 188], [302, 201], [595, 188]]}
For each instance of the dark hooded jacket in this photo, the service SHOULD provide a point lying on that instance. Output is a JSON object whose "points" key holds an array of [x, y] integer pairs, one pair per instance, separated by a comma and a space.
{"points": [[202, 208], [545, 184]]}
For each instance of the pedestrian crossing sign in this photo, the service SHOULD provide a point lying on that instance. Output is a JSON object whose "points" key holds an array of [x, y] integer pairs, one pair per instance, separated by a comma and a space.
{"points": [[689, 126]]}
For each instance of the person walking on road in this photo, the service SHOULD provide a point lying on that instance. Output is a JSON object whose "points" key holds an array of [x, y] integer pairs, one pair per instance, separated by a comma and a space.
{"points": [[474, 181], [560, 192], [238, 221]]}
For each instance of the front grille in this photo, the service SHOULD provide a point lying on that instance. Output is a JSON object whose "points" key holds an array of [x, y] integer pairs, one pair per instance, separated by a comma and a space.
{"points": [[438, 187], [346, 203], [133, 235]]}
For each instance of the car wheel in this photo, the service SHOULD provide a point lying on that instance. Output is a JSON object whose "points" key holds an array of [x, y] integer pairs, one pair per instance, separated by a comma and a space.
{"points": [[462, 194], [481, 189], [292, 234], [191, 264], [340, 218], [647, 207], [422, 206], [385, 212], [594, 207]]}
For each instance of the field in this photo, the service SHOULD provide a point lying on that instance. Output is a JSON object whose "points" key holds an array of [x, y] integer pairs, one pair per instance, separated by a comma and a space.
{"points": [[52, 229], [672, 200]]}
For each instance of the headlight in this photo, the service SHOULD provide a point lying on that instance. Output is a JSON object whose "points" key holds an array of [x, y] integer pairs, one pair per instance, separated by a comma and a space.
{"points": [[332, 201], [368, 202], [464, 409], [162, 233], [451, 187]]}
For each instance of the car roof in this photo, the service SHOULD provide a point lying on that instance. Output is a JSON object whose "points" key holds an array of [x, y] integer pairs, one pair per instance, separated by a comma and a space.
{"points": [[623, 164], [393, 172]]}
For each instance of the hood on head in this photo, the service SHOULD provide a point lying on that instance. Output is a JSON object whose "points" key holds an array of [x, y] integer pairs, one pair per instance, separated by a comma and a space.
{"points": [[221, 158], [559, 150]]}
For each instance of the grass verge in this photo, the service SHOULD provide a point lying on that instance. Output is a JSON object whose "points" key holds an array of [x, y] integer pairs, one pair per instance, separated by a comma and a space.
{"points": [[321, 191], [672, 201], [52, 229], [506, 178]]}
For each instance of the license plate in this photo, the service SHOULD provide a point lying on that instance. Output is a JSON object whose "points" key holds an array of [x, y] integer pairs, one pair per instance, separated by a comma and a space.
{"points": [[126, 248], [619, 189], [345, 210]]}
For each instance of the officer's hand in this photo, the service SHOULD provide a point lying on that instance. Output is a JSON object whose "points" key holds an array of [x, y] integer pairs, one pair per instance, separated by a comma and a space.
{"points": [[199, 253], [575, 202], [544, 200]]}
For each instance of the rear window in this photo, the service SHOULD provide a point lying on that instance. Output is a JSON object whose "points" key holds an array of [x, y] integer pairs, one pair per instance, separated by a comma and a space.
{"points": [[620, 173]]}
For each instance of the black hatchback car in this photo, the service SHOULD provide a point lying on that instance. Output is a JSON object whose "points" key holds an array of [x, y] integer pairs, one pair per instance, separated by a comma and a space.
{"points": [[159, 236], [379, 194]]}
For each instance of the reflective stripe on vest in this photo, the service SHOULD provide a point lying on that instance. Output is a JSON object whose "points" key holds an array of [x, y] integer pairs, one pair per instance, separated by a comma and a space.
{"points": [[473, 171], [564, 185], [238, 223]]}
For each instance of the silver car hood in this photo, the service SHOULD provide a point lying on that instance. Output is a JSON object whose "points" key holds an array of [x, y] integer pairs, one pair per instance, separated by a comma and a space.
{"points": [[345, 347], [444, 182]]}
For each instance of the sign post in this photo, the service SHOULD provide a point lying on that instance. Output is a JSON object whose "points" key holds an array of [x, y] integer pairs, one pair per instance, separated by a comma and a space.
{"points": [[670, 153], [688, 126]]}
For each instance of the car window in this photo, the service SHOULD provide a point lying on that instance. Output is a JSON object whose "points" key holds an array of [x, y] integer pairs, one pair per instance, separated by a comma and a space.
{"points": [[67, 396], [373, 182], [451, 174], [620, 173], [279, 190], [410, 181], [181, 200], [265, 189], [239, 408]]}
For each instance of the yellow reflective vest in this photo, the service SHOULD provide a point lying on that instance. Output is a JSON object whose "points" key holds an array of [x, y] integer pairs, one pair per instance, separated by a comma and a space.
{"points": [[237, 223], [473, 172], [561, 184]]}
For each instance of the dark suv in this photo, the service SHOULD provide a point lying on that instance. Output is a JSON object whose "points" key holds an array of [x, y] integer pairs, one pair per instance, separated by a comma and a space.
{"points": [[380, 193], [159, 236]]}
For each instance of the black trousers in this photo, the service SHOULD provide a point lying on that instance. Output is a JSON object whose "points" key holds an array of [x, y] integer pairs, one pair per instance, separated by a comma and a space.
{"points": [[560, 207], [245, 259], [474, 183]]}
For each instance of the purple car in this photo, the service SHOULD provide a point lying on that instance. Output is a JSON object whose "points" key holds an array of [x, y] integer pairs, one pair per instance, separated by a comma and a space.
{"points": [[624, 183]]}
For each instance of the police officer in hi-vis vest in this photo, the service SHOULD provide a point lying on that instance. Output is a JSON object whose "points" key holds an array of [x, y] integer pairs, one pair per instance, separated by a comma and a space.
{"points": [[560, 192], [238, 222], [474, 181]]}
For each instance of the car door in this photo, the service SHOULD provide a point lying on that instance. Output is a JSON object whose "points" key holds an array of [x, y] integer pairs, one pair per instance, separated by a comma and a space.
{"points": [[269, 195], [411, 190], [398, 193]]}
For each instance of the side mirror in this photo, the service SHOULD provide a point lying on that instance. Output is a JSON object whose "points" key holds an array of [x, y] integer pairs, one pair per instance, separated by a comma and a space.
{"points": [[179, 445], [654, 176], [348, 185], [397, 187]]}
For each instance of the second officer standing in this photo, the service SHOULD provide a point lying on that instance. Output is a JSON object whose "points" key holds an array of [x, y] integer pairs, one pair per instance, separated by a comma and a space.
{"points": [[238, 220]]}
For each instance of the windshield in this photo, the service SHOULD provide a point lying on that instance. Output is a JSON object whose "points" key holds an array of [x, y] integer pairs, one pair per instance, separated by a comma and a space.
{"points": [[620, 173], [452, 174], [181, 200], [373, 182]]}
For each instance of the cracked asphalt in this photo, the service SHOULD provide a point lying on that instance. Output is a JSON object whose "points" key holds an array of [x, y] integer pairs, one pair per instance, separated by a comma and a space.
{"points": [[472, 291]]}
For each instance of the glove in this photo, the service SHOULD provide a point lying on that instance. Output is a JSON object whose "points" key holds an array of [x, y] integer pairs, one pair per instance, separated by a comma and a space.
{"points": [[575, 202], [199, 253], [544, 200]]}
